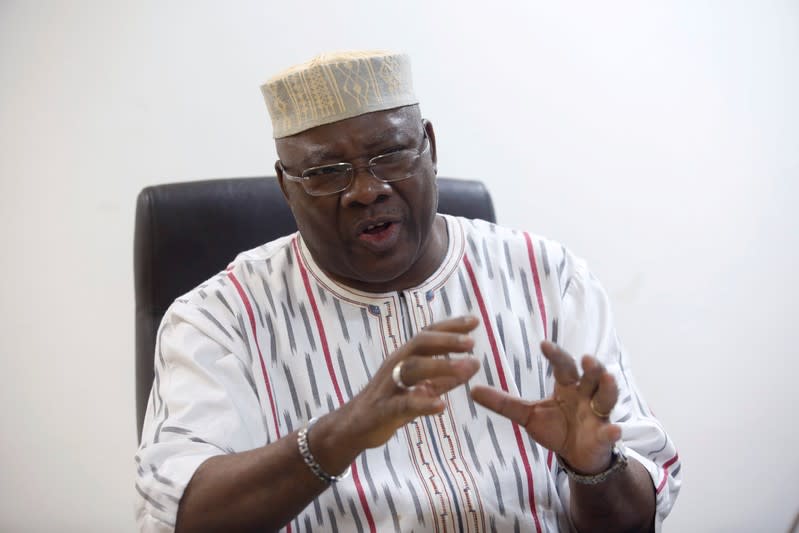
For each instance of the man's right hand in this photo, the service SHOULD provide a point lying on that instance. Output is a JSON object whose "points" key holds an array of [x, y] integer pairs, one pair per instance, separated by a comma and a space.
{"points": [[381, 408]]}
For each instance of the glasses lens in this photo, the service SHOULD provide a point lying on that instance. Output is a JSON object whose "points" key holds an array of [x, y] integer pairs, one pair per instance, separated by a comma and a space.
{"points": [[331, 179], [396, 166]]}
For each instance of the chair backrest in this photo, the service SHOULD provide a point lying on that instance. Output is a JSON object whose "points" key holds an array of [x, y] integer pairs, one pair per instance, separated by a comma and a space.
{"points": [[187, 232]]}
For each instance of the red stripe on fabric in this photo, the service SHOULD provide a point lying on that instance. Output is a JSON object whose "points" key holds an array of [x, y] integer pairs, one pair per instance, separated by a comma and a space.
{"points": [[666, 466], [549, 459], [356, 478], [251, 316], [503, 382], [537, 281]]}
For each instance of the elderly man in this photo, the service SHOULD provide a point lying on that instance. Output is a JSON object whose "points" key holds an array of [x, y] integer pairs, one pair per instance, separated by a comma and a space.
{"points": [[388, 368]]}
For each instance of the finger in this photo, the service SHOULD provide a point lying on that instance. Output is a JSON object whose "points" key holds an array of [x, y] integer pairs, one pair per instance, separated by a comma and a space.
{"points": [[502, 403], [607, 394], [589, 382], [429, 342], [412, 405], [562, 363], [608, 433], [461, 324], [416, 369]]}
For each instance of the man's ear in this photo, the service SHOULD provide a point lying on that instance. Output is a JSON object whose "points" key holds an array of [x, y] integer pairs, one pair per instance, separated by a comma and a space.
{"points": [[431, 137], [280, 180]]}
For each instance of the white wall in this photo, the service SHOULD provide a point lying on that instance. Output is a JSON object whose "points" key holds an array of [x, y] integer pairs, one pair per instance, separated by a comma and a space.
{"points": [[659, 140]]}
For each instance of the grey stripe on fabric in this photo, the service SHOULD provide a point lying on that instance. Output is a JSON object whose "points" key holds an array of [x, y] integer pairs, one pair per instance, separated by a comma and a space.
{"points": [[332, 516], [215, 322], [492, 523], [445, 301], [366, 328], [500, 330], [368, 475], [507, 258], [487, 371], [245, 337], [528, 299], [312, 379], [175, 429], [268, 293], [562, 263], [337, 497], [494, 441], [676, 470], [392, 508], [363, 362], [289, 329], [307, 521], [292, 390], [222, 299], [287, 418], [255, 302], [158, 477], [464, 290], [343, 323], [322, 294], [533, 447], [308, 329], [475, 253], [287, 294], [289, 255], [495, 478], [623, 419], [270, 327], [472, 452], [544, 258], [555, 330], [519, 485], [416, 504], [472, 407], [528, 355], [516, 527], [488, 260], [517, 375], [387, 459], [344, 374], [152, 501], [355, 517], [505, 291], [269, 265], [202, 294], [566, 288], [307, 410], [245, 371]]}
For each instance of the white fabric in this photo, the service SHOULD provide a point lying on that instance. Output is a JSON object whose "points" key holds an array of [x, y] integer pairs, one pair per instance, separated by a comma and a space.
{"points": [[258, 350]]}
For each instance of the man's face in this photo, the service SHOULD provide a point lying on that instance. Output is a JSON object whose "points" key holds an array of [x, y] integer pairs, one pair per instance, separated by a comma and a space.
{"points": [[373, 232]]}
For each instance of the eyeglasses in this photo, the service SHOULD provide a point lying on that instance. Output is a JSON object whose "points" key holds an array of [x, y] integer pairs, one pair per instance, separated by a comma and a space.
{"points": [[331, 179]]}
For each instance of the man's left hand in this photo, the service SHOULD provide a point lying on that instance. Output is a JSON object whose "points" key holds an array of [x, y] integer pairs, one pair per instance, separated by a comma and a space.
{"points": [[573, 422]]}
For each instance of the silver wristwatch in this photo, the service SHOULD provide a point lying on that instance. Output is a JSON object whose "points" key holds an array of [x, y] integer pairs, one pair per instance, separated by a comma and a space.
{"points": [[618, 461]]}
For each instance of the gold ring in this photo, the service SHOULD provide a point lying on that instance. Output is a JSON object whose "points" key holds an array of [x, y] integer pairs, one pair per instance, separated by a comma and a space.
{"points": [[596, 411], [396, 375]]}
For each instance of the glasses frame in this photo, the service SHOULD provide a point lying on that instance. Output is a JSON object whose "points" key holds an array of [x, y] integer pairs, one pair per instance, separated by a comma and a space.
{"points": [[351, 169]]}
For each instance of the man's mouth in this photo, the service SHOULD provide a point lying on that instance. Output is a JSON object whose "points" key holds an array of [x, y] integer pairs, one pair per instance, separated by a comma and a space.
{"points": [[380, 236]]}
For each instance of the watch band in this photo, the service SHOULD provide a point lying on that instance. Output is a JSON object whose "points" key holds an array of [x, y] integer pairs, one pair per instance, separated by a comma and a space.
{"points": [[618, 461], [310, 460]]}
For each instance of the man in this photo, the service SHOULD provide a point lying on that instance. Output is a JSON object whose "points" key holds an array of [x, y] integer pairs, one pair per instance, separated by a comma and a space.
{"points": [[373, 340]]}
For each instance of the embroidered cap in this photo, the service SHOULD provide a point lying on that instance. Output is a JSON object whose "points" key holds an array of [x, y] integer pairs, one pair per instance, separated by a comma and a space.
{"points": [[333, 87]]}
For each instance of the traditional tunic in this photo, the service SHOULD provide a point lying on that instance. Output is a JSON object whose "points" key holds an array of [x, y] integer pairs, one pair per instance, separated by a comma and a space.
{"points": [[261, 348]]}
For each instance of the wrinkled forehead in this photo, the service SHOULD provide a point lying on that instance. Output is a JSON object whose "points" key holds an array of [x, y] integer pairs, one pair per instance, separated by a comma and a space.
{"points": [[358, 136]]}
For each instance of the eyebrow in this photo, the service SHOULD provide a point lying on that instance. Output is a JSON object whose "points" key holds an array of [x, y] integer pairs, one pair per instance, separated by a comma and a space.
{"points": [[320, 154]]}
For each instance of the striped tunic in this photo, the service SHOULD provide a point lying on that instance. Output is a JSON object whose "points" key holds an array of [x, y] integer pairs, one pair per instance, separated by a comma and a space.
{"points": [[262, 347]]}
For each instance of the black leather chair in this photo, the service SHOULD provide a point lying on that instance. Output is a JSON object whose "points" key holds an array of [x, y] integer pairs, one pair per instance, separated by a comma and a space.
{"points": [[187, 232]]}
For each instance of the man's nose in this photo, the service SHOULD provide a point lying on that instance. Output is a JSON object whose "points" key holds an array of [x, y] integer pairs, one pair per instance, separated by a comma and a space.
{"points": [[365, 189]]}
